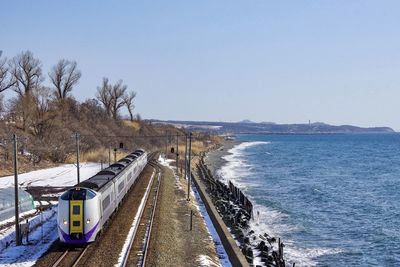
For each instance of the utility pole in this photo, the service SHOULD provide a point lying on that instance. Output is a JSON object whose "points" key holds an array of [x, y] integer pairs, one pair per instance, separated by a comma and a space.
{"points": [[166, 145], [109, 155], [77, 156], [190, 174], [177, 153], [186, 141], [115, 155], [16, 203]]}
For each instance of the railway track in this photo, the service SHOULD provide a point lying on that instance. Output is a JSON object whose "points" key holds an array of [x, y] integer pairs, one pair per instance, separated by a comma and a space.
{"points": [[139, 243], [99, 252], [71, 256]]}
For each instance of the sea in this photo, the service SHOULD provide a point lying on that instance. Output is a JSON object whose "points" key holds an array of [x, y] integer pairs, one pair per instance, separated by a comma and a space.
{"points": [[334, 200]]}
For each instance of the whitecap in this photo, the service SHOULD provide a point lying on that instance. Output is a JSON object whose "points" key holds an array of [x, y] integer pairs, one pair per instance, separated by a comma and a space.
{"points": [[269, 220]]}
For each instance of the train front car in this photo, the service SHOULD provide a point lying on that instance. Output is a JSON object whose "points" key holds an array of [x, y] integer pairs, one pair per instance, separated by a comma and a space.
{"points": [[78, 216]]}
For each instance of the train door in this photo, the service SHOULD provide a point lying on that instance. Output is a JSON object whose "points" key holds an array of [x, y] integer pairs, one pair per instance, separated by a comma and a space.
{"points": [[76, 219]]}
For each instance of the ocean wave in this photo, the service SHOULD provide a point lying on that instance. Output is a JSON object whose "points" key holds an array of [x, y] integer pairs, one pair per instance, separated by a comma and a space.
{"points": [[236, 166], [268, 219], [271, 221]]}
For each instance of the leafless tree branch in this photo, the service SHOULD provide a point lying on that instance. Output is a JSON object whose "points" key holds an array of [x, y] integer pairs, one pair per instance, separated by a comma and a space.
{"points": [[6, 80], [128, 101], [64, 76]]}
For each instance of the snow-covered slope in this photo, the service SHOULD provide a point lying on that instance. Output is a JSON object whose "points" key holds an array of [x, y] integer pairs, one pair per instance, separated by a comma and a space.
{"points": [[64, 175]]}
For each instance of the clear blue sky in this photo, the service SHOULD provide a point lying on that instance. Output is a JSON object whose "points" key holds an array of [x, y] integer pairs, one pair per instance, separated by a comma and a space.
{"points": [[282, 61]]}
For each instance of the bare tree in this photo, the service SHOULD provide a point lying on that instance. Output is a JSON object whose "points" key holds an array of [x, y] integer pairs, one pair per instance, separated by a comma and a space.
{"points": [[128, 101], [6, 80], [42, 119], [64, 76], [26, 72], [112, 97], [104, 95], [27, 77], [118, 94]]}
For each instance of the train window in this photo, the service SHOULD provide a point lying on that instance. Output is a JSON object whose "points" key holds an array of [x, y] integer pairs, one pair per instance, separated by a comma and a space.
{"points": [[106, 202], [120, 186], [76, 210], [76, 223], [65, 196], [90, 194], [78, 194]]}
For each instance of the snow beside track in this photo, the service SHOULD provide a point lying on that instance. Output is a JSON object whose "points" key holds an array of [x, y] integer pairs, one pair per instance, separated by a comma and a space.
{"points": [[43, 227], [44, 233], [61, 176]]}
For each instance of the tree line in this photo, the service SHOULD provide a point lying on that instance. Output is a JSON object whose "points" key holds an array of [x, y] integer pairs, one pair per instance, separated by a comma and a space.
{"points": [[45, 116], [24, 75]]}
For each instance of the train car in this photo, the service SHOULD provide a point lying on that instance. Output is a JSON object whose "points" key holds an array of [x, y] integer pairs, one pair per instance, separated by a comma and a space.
{"points": [[84, 209]]}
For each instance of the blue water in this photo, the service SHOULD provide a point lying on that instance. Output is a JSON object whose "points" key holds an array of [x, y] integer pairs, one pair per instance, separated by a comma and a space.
{"points": [[333, 199]]}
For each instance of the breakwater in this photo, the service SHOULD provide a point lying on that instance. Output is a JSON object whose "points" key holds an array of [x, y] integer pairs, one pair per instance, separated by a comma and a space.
{"points": [[236, 211]]}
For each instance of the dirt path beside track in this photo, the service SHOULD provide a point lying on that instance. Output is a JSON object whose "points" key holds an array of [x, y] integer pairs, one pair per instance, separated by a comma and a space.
{"points": [[172, 243]]}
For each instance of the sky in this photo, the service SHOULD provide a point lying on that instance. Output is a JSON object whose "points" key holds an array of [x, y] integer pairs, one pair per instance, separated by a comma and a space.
{"points": [[336, 62]]}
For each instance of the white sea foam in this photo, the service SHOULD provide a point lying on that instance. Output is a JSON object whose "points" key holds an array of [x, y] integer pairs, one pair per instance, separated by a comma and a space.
{"points": [[268, 220], [236, 167], [271, 221]]}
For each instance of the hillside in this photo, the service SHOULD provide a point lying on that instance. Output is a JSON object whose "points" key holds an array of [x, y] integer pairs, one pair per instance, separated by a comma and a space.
{"points": [[273, 128]]}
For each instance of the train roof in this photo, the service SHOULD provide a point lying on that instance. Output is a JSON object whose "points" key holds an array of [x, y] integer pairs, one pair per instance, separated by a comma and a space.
{"points": [[100, 179]]}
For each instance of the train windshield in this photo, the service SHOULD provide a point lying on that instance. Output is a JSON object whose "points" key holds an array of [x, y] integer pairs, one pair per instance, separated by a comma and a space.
{"points": [[78, 194]]}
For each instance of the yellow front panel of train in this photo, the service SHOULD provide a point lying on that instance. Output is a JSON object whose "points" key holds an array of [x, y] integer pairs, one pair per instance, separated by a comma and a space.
{"points": [[76, 216]]}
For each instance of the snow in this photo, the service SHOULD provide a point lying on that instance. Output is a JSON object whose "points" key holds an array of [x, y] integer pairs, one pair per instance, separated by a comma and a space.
{"points": [[40, 239], [205, 260], [165, 162], [65, 175], [132, 231], [43, 227], [222, 255]]}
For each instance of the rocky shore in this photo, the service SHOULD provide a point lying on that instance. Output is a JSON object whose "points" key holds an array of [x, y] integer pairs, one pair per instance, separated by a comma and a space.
{"points": [[236, 210]]}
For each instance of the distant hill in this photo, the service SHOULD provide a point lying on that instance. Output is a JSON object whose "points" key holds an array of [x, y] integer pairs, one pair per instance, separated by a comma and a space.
{"points": [[269, 127]]}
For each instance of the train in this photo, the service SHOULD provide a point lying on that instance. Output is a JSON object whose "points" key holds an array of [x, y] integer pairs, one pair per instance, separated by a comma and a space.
{"points": [[84, 209]]}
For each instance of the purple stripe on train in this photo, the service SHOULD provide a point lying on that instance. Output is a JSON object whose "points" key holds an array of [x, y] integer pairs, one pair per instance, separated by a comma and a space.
{"points": [[85, 239]]}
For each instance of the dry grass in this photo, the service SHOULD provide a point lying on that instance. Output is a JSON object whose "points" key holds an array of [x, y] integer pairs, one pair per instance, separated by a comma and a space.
{"points": [[5, 173], [133, 124], [97, 156]]}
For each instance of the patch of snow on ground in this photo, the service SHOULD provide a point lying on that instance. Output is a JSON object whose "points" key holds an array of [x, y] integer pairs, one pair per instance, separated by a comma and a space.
{"points": [[40, 239], [64, 175], [223, 257], [204, 260], [167, 163]]}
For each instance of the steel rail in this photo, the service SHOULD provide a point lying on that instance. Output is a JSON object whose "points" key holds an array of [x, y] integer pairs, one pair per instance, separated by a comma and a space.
{"points": [[75, 262], [146, 196], [153, 211]]}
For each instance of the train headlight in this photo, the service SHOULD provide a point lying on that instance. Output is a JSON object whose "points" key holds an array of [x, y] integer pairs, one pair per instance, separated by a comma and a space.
{"points": [[88, 221], [65, 222]]}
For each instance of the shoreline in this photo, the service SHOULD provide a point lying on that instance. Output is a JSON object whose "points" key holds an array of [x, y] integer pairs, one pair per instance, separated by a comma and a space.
{"points": [[214, 159], [260, 249]]}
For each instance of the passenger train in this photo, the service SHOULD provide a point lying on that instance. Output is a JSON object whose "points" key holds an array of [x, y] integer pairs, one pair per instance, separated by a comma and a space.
{"points": [[84, 209]]}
